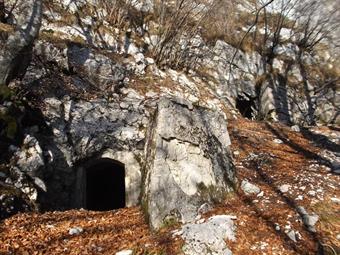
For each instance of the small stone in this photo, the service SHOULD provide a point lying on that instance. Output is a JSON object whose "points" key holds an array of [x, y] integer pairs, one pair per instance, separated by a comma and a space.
{"points": [[299, 197], [124, 105], [284, 188], [292, 236], [288, 227], [298, 236], [277, 227], [204, 208], [236, 153], [75, 231], [335, 200], [338, 236], [124, 252], [261, 194], [278, 141], [295, 128], [150, 61], [310, 221], [312, 193], [249, 188], [301, 210]]}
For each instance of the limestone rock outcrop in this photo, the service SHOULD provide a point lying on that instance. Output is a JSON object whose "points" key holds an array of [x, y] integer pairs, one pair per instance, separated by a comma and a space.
{"points": [[187, 162]]}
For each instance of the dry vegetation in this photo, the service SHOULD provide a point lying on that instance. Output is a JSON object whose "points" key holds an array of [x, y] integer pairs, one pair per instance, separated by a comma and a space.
{"points": [[287, 163]]}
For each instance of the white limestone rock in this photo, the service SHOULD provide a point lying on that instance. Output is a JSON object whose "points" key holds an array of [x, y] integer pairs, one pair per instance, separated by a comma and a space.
{"points": [[249, 188], [75, 231], [124, 252], [30, 158], [188, 161], [97, 68], [208, 237], [285, 188]]}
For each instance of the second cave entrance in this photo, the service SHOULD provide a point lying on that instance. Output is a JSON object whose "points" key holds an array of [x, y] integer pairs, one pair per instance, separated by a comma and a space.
{"points": [[104, 185], [246, 106]]}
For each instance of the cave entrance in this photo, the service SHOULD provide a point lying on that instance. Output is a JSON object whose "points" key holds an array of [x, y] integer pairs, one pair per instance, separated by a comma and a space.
{"points": [[104, 185], [246, 106]]}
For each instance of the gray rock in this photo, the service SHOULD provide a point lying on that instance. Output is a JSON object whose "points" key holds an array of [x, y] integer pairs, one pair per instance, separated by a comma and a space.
{"points": [[204, 208], [336, 167], [249, 188], [188, 161], [30, 158], [285, 188], [309, 220], [75, 231], [97, 68], [295, 128], [278, 141], [335, 200], [292, 236], [277, 227], [125, 252], [208, 237]]}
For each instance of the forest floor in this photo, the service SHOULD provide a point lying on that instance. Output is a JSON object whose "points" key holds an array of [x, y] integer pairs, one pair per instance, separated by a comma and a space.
{"points": [[292, 169]]}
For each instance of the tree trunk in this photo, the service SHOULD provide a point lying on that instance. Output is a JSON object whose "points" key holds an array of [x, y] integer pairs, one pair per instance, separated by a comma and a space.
{"points": [[2, 11], [16, 53]]}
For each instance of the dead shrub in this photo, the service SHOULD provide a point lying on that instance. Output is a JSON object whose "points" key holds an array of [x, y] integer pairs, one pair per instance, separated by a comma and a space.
{"points": [[178, 30]]}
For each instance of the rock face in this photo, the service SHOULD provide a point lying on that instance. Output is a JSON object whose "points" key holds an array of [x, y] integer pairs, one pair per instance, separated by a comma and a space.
{"points": [[275, 98], [97, 68], [15, 53], [187, 162], [90, 130], [183, 149]]}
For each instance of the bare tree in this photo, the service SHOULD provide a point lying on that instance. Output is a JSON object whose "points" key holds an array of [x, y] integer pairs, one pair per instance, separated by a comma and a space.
{"points": [[16, 51], [178, 23], [309, 24], [2, 11]]}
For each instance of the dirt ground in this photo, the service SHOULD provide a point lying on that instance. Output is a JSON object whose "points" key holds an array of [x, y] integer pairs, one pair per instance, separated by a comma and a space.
{"points": [[267, 155]]}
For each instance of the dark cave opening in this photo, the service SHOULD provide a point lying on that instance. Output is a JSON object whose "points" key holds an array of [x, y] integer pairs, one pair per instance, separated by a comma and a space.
{"points": [[246, 106], [105, 185]]}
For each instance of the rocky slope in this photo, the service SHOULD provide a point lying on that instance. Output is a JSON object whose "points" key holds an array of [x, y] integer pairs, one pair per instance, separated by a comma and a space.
{"points": [[292, 207], [109, 81]]}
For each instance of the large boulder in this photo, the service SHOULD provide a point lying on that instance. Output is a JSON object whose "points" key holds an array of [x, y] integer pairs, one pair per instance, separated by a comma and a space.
{"points": [[187, 162]]}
